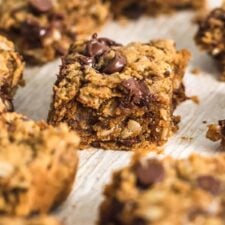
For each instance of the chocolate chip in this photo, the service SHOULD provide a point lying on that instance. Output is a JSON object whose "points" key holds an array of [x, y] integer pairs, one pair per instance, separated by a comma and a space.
{"points": [[117, 64], [222, 127], [95, 47], [139, 221], [41, 5], [33, 31], [209, 184], [134, 10], [149, 174], [84, 60], [138, 92], [108, 42]]}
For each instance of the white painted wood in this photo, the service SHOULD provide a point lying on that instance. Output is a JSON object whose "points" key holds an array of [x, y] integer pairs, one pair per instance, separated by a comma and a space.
{"points": [[96, 166]]}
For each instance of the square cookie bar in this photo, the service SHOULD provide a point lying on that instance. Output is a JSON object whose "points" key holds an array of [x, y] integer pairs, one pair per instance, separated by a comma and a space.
{"points": [[167, 192], [44, 29], [38, 164], [210, 37], [11, 70], [43, 220], [119, 97], [135, 8]]}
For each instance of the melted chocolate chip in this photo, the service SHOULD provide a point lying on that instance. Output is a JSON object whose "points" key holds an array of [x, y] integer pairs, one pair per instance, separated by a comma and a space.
{"points": [[41, 5], [117, 64], [134, 10], [108, 42], [84, 60], [209, 184], [149, 174], [96, 48], [33, 31], [138, 221], [138, 92]]}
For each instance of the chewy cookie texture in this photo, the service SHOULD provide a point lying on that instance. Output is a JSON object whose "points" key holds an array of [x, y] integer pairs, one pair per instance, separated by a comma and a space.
{"points": [[43, 220], [136, 8], [167, 192], [211, 37], [119, 97], [37, 165], [44, 29], [11, 70]]}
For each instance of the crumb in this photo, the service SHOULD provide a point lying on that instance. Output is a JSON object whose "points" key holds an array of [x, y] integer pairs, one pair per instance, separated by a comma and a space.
{"points": [[195, 99], [196, 71]]}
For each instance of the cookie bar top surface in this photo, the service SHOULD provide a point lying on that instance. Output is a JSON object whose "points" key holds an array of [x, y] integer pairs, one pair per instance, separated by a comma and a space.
{"points": [[37, 164], [107, 91], [167, 192], [44, 29], [11, 71], [43, 220], [133, 8], [211, 36]]}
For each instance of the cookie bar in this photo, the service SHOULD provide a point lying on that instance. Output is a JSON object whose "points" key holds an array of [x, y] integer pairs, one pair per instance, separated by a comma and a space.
{"points": [[11, 70], [167, 192], [44, 29], [134, 8], [37, 165], [210, 37], [43, 220], [119, 97]]}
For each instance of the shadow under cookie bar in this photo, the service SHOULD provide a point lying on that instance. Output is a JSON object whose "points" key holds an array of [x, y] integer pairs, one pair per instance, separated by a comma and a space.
{"points": [[168, 191], [119, 97], [38, 165], [135, 8], [11, 71], [210, 37], [44, 29], [42, 220]]}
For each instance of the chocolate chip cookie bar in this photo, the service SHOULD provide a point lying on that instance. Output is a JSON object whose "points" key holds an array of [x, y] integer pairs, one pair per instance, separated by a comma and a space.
{"points": [[37, 165], [43, 220], [210, 37], [44, 29], [167, 192], [134, 8], [11, 70], [119, 97]]}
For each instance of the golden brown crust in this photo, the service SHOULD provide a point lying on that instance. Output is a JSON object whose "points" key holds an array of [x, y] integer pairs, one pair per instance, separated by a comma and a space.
{"points": [[11, 71], [120, 108], [42, 220], [38, 165]]}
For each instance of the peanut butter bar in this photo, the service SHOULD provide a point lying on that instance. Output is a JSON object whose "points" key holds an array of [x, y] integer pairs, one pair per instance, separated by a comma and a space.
{"points": [[43, 220], [135, 8], [167, 192], [210, 37], [44, 29], [37, 165], [119, 97], [11, 70]]}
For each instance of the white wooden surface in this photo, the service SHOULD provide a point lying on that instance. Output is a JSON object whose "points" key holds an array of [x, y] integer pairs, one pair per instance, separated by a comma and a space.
{"points": [[96, 166]]}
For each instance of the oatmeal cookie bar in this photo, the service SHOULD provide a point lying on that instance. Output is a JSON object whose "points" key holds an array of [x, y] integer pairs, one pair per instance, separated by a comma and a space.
{"points": [[118, 97], [43, 220], [135, 8], [44, 29], [11, 70], [37, 165], [167, 192], [210, 37]]}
